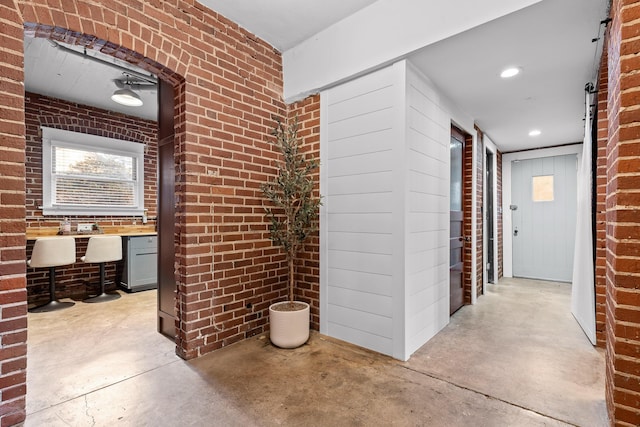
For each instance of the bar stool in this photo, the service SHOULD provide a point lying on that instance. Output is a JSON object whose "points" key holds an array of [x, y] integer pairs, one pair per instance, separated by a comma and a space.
{"points": [[52, 252], [103, 249]]}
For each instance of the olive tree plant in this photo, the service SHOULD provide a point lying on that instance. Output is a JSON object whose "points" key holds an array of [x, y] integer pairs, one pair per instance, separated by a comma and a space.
{"points": [[292, 209]]}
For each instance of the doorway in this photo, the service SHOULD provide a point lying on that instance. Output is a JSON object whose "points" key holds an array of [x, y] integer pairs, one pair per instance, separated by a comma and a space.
{"points": [[489, 216], [543, 211], [101, 327]]}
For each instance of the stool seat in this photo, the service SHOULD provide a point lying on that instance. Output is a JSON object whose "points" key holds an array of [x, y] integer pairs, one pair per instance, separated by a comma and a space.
{"points": [[51, 252], [100, 250]]}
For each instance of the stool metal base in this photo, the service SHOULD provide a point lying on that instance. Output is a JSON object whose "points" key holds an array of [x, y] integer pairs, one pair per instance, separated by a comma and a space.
{"points": [[104, 297], [52, 306]]}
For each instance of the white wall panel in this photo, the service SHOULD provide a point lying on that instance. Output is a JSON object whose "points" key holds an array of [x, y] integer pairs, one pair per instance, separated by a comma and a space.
{"points": [[364, 302], [426, 278], [372, 121], [424, 324], [357, 261], [426, 221], [421, 202], [355, 165], [365, 84], [419, 241], [377, 99], [360, 242], [360, 134], [424, 183], [361, 203], [427, 246], [371, 324], [361, 281], [364, 339], [356, 145], [385, 218], [360, 223], [376, 182]]}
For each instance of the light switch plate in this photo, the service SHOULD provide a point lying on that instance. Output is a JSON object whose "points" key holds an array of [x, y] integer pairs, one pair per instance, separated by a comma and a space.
{"points": [[83, 228]]}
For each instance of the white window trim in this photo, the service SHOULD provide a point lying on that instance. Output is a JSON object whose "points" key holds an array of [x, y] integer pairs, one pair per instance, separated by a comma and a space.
{"points": [[59, 137]]}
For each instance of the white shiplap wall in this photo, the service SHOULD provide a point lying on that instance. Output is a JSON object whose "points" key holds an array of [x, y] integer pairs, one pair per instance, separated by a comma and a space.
{"points": [[360, 131], [427, 230], [384, 220]]}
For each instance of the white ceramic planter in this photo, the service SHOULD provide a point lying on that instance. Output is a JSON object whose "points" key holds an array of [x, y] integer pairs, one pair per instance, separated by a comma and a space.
{"points": [[289, 329]]}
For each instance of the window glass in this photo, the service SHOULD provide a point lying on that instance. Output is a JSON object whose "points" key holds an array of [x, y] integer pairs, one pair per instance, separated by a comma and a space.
{"points": [[455, 189], [543, 188], [87, 174]]}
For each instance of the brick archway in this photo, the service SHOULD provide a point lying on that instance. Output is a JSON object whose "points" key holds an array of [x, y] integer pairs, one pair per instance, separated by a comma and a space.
{"points": [[91, 42]]}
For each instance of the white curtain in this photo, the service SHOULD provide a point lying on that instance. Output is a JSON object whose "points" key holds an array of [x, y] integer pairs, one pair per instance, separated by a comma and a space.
{"points": [[583, 290]]}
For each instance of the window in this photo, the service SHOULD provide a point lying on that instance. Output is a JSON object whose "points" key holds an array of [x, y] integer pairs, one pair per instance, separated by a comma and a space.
{"points": [[543, 188], [91, 175]]}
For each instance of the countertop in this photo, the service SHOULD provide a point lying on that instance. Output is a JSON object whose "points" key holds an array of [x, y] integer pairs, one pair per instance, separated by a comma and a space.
{"points": [[124, 230]]}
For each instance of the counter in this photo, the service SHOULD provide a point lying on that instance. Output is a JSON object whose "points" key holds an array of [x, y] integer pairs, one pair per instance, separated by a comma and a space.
{"points": [[124, 230]]}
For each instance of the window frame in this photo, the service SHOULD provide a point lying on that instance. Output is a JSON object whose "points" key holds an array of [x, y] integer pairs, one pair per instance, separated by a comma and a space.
{"points": [[62, 138]]}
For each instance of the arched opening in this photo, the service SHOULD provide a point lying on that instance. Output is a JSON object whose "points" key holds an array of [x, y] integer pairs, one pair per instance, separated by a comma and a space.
{"points": [[111, 349]]}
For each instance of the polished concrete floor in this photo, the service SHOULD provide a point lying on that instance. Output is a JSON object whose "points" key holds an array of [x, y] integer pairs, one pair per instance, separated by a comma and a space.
{"points": [[517, 358]]}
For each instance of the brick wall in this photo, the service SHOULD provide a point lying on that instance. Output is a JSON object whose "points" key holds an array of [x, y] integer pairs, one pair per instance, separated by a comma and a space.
{"points": [[499, 204], [467, 221], [623, 221], [228, 84], [13, 293], [479, 195], [308, 265], [469, 195], [601, 190], [227, 273], [75, 281]]}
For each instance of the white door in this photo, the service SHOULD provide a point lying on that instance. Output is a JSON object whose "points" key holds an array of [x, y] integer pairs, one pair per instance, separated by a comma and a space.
{"points": [[543, 212]]}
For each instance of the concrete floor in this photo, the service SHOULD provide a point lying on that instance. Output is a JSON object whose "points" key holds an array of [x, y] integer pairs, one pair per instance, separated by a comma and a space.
{"points": [[517, 358]]}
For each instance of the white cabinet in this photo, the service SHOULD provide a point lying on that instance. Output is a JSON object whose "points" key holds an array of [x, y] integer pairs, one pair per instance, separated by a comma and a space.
{"points": [[140, 255]]}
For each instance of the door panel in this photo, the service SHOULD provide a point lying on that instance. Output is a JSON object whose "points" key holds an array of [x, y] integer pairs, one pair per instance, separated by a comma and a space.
{"points": [[456, 240], [166, 212], [489, 219], [543, 194]]}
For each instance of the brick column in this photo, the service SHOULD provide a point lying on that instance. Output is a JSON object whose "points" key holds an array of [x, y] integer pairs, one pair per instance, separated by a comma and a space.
{"points": [[623, 217], [601, 208], [479, 196], [13, 292]]}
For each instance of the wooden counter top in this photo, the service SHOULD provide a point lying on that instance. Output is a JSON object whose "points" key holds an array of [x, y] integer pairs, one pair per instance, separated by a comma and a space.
{"points": [[124, 230]]}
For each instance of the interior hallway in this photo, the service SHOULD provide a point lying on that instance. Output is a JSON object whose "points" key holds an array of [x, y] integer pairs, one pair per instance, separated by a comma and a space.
{"points": [[515, 358]]}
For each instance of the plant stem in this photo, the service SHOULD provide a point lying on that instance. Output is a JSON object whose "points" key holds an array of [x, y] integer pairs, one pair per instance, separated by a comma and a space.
{"points": [[291, 279]]}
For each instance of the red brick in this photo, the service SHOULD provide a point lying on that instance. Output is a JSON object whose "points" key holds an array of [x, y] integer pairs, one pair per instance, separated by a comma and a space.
{"points": [[19, 337], [142, 31]]}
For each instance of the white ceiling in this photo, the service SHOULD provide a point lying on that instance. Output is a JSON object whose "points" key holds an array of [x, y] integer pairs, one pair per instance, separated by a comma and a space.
{"points": [[285, 23], [550, 41], [54, 72]]}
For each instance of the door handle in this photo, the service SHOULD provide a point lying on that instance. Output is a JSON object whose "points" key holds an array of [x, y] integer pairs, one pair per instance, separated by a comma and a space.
{"points": [[515, 231], [464, 238]]}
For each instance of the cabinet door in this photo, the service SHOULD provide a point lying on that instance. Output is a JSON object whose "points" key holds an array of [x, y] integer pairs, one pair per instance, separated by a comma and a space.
{"points": [[143, 267]]}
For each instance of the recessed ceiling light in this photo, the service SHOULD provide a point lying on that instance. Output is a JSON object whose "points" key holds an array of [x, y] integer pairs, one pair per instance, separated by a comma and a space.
{"points": [[534, 132], [510, 72]]}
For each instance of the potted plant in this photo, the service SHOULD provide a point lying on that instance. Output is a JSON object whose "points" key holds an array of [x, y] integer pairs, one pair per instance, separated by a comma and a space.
{"points": [[292, 212]]}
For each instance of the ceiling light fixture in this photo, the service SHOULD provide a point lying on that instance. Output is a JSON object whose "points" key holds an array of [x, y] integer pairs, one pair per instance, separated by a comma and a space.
{"points": [[510, 72], [535, 132], [126, 96]]}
